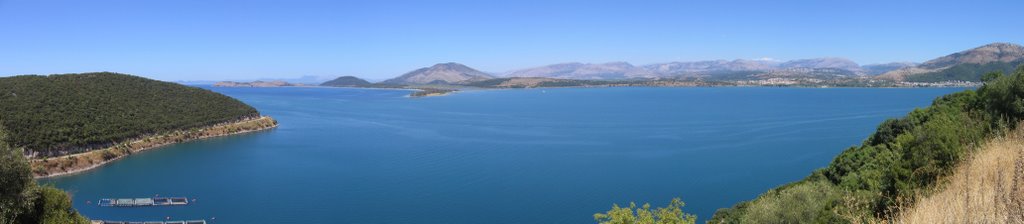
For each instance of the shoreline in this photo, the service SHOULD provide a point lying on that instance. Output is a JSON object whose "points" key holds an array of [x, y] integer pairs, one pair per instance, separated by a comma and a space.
{"points": [[85, 161], [414, 91]]}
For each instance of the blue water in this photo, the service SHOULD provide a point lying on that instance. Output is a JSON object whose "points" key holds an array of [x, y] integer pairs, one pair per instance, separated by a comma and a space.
{"points": [[503, 156]]}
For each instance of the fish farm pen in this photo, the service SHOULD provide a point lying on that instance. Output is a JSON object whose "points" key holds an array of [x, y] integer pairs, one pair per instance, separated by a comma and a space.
{"points": [[152, 222], [132, 202], [142, 202]]}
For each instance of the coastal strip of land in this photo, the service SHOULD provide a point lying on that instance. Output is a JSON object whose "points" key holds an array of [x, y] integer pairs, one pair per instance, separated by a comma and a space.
{"points": [[79, 162]]}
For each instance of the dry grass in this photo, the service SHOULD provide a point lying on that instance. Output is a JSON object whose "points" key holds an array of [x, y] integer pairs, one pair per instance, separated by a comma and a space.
{"points": [[988, 187]]}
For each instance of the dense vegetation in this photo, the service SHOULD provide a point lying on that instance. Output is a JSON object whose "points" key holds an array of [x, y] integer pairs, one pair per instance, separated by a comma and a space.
{"points": [[902, 160], [23, 201], [671, 214], [347, 81], [57, 114], [964, 72]]}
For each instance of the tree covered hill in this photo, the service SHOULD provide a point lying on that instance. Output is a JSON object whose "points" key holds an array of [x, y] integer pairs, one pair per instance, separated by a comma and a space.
{"points": [[65, 113], [347, 81]]}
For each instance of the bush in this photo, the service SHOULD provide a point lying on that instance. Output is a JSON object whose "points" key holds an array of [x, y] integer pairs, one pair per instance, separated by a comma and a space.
{"points": [[22, 201], [671, 214], [800, 203]]}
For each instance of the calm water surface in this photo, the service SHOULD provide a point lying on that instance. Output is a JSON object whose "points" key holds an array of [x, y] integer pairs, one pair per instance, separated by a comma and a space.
{"points": [[507, 156]]}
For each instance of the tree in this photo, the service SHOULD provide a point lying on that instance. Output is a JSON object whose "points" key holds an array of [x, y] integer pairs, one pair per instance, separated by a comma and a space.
{"points": [[671, 214], [23, 201], [991, 76], [15, 180]]}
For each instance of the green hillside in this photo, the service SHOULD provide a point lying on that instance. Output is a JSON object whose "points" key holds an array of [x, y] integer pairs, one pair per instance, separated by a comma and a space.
{"points": [[57, 114], [964, 72], [896, 164]]}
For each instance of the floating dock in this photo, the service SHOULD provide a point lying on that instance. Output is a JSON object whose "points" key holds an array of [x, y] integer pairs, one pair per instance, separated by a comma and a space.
{"points": [[150, 222], [133, 202]]}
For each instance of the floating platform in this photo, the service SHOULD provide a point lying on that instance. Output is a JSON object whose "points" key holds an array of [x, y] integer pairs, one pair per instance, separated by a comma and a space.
{"points": [[151, 222], [133, 202]]}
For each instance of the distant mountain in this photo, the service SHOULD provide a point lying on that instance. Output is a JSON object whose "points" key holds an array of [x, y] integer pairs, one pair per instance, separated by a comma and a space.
{"points": [[710, 67], [878, 69], [256, 84], [806, 72], [834, 63], [967, 65], [716, 69], [346, 81], [445, 73], [612, 70]]}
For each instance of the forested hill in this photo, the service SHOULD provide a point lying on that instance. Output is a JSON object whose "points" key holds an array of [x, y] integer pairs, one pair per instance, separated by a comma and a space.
{"points": [[58, 114]]}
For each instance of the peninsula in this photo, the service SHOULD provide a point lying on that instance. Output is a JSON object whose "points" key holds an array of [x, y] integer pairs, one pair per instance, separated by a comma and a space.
{"points": [[69, 123]]}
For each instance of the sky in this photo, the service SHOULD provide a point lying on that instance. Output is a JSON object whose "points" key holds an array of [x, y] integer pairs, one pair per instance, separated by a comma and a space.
{"points": [[236, 40]]}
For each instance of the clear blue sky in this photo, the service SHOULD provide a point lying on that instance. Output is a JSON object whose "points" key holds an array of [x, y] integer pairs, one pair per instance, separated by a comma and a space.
{"points": [[219, 40]]}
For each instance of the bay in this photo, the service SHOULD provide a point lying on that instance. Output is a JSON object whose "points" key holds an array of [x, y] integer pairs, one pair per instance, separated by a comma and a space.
{"points": [[560, 155]]}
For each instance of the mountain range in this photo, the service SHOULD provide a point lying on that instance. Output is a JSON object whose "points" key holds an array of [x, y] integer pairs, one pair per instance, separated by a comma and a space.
{"points": [[454, 73], [968, 65], [735, 69]]}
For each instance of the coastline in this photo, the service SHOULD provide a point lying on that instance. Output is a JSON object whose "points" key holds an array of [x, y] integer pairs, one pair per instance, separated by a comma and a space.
{"points": [[420, 92], [84, 161]]}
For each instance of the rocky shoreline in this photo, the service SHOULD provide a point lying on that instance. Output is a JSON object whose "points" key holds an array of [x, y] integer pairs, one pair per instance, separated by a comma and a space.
{"points": [[79, 162]]}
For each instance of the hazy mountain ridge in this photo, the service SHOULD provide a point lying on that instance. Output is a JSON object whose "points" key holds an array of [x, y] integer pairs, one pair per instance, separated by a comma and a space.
{"points": [[576, 70], [706, 67], [830, 62], [878, 69], [963, 66], [828, 66]]}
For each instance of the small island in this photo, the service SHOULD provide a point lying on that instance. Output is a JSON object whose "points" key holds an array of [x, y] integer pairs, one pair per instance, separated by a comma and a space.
{"points": [[425, 92]]}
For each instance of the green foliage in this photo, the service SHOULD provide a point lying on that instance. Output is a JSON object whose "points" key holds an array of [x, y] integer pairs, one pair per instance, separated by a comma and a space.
{"points": [[22, 201], [52, 206], [15, 179], [1004, 96], [965, 72], [671, 214], [57, 113], [799, 203], [900, 161], [991, 76]]}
